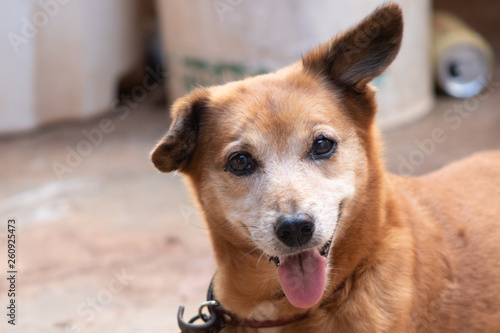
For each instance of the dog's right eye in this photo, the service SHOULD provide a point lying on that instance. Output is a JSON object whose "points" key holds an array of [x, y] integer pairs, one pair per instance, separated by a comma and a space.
{"points": [[323, 147], [241, 164]]}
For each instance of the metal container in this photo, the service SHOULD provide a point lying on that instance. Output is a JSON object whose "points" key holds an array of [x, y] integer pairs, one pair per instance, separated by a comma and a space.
{"points": [[463, 59]]}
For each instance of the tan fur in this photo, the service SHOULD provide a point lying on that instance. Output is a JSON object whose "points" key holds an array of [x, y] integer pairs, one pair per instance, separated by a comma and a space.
{"points": [[409, 254]]}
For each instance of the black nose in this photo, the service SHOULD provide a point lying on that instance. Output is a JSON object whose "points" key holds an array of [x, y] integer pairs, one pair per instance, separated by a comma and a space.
{"points": [[294, 231]]}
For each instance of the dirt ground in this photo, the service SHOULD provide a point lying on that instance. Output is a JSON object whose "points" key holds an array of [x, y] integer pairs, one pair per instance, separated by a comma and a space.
{"points": [[108, 244]]}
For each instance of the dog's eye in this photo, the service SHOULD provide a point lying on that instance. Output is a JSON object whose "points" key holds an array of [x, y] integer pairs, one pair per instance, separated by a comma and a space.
{"points": [[240, 164], [323, 148]]}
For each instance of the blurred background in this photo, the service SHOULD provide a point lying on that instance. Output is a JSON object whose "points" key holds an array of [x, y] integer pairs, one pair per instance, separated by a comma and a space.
{"points": [[108, 244]]}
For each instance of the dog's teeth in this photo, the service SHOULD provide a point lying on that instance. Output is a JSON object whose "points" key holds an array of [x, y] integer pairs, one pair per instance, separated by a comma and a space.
{"points": [[276, 260], [325, 249]]}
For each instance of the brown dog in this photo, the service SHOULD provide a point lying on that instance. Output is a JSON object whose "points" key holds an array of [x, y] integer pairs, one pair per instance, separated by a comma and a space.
{"points": [[287, 166]]}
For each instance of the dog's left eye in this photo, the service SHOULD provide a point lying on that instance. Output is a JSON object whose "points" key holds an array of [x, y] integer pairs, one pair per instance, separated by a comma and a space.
{"points": [[240, 164], [323, 148]]}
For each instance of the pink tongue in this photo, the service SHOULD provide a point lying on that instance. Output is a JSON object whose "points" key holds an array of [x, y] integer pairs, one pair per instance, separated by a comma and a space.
{"points": [[302, 278]]}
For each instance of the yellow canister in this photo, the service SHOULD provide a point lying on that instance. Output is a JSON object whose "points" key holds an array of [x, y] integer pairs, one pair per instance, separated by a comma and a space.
{"points": [[463, 59]]}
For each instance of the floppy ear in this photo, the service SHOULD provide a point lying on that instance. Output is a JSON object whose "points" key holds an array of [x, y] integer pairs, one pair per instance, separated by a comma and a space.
{"points": [[354, 58], [175, 149]]}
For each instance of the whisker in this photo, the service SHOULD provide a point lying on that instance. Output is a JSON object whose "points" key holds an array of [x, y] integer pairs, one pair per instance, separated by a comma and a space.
{"points": [[246, 254]]}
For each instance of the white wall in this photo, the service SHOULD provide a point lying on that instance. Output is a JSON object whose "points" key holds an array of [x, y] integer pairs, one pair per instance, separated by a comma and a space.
{"points": [[62, 59]]}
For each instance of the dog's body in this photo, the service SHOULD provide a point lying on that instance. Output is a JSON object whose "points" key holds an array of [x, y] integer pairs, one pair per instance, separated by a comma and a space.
{"points": [[286, 166]]}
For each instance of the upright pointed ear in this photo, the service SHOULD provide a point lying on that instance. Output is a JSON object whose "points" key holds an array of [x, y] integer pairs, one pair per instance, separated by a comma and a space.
{"points": [[354, 58], [175, 149]]}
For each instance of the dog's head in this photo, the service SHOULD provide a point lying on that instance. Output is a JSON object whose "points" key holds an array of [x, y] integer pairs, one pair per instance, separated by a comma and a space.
{"points": [[279, 158]]}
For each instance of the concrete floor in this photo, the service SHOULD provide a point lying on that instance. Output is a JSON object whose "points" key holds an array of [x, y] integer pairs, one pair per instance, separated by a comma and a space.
{"points": [[108, 244]]}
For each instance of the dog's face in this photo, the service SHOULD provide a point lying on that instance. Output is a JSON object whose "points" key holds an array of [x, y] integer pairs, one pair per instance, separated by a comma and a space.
{"points": [[280, 157], [279, 151]]}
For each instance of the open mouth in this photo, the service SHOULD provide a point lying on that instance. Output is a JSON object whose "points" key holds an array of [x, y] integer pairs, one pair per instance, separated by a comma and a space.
{"points": [[303, 275], [323, 251]]}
